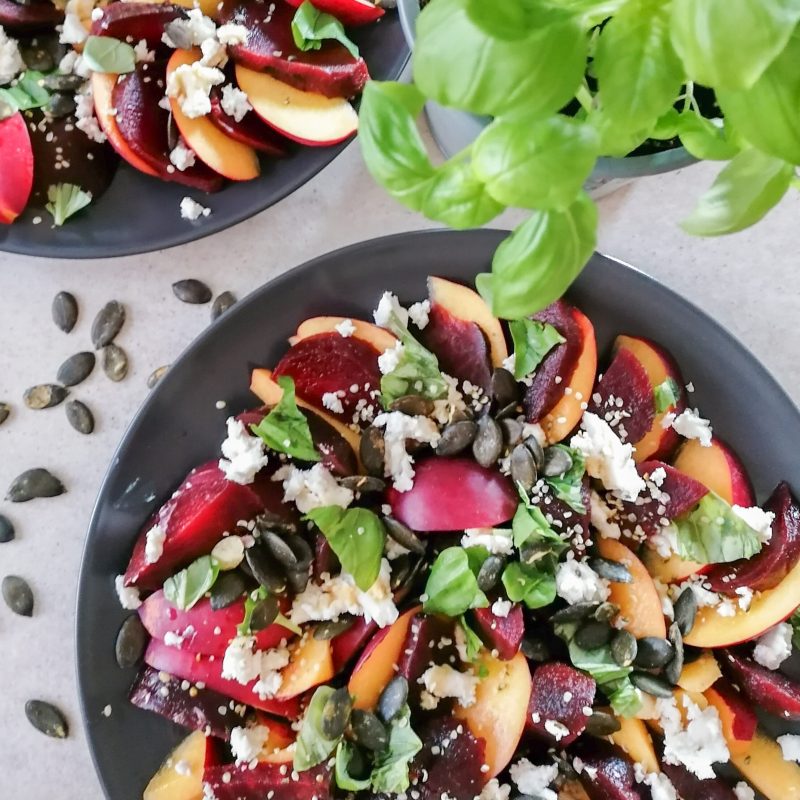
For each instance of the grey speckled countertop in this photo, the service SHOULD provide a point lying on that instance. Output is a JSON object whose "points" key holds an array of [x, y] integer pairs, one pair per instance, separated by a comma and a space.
{"points": [[748, 282]]}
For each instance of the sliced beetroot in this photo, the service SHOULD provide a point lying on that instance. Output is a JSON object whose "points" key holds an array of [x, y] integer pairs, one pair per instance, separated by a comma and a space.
{"points": [[329, 363], [608, 773], [564, 519], [193, 708], [133, 22], [453, 494], [250, 130], [544, 392], [740, 716], [231, 782], [34, 16], [270, 47], [688, 784], [194, 519], [776, 558], [144, 126], [430, 640], [348, 12], [765, 688], [346, 646], [503, 634], [624, 397], [460, 346], [559, 693], [325, 560]]}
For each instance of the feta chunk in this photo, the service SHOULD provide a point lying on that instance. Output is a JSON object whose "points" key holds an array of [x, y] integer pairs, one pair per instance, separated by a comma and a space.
{"points": [[154, 544], [502, 608], [85, 119], [140, 50], [661, 787], [312, 488], [243, 663], [399, 427], [243, 455], [389, 305], [232, 34], [247, 743], [744, 791], [534, 780], [774, 647], [497, 541], [182, 157], [72, 30], [443, 681], [494, 790], [690, 425], [128, 595], [191, 84], [333, 402], [234, 102], [389, 359], [419, 313], [195, 28], [577, 582], [345, 328], [602, 517], [790, 746], [192, 210], [758, 519], [11, 63]]}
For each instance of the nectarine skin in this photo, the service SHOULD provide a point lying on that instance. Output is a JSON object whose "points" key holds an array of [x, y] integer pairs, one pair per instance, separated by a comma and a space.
{"points": [[719, 468], [16, 156], [251, 130]]}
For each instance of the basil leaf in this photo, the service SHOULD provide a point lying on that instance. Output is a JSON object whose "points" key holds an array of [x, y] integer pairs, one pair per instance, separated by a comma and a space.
{"points": [[569, 486], [705, 139], [285, 429], [536, 264], [624, 698], [390, 773], [107, 54], [64, 200], [187, 587], [592, 12], [250, 603], [666, 395], [452, 587], [749, 187], [713, 534], [534, 587], [357, 537], [533, 340], [473, 642], [344, 755], [794, 620], [598, 662], [476, 555], [512, 20], [27, 93], [312, 746], [311, 27], [530, 526]]}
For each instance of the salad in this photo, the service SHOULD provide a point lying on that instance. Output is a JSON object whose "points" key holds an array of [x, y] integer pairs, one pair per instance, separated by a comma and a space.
{"points": [[450, 559], [194, 93]]}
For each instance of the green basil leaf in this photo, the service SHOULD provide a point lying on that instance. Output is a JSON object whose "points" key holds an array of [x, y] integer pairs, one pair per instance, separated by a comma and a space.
{"points": [[535, 162], [476, 555], [452, 587], [285, 429], [666, 126], [474, 644], [623, 697], [396, 157], [344, 755], [794, 620], [533, 340], [532, 586], [598, 662], [107, 54], [616, 140], [592, 12], [512, 20], [312, 746], [530, 526], [729, 43], [705, 139], [250, 603], [27, 93], [666, 395], [187, 587], [64, 200], [390, 773], [638, 72], [537, 73], [311, 27], [746, 189], [541, 258], [569, 486]]}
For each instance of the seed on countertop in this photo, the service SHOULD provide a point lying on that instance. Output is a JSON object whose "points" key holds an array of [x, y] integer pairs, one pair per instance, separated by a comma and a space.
{"points": [[574, 613], [6, 529], [624, 648], [18, 595], [653, 652], [115, 362], [403, 535], [602, 724], [191, 290], [227, 590], [47, 719], [505, 388], [156, 375], [672, 672], [364, 484], [265, 612], [34, 483], [651, 684], [456, 437], [221, 304], [107, 324], [76, 368], [373, 451], [488, 444], [413, 405], [336, 713], [393, 698], [532, 443], [5, 410], [131, 641], [593, 634], [328, 630], [80, 416], [490, 572], [556, 462], [45, 395], [65, 311], [685, 610], [368, 730], [613, 571], [523, 467]]}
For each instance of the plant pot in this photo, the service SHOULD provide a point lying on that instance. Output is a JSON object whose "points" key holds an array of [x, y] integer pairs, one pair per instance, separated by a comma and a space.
{"points": [[453, 130]]}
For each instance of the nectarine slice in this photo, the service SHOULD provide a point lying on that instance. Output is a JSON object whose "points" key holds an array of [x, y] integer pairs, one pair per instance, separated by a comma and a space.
{"points": [[16, 156], [718, 468], [311, 664], [634, 738], [185, 782], [379, 338], [739, 722], [700, 674], [764, 767], [670, 570]]}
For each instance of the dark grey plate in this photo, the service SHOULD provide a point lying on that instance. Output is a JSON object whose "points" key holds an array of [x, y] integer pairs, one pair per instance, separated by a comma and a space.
{"points": [[139, 213], [179, 427]]}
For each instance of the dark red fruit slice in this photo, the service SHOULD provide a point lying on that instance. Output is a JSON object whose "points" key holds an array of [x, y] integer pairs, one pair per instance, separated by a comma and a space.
{"points": [[349, 12], [133, 22], [250, 130], [503, 634], [270, 47], [201, 710], [688, 784], [229, 782], [610, 774], [429, 641], [331, 363], [346, 646], [559, 693], [563, 518], [38, 15], [777, 557], [765, 688], [143, 125], [325, 559]]}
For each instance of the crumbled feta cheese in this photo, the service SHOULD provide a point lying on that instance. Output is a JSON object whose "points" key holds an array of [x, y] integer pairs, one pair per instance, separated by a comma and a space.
{"points": [[602, 516], [510, 363], [195, 28], [443, 681], [234, 102], [345, 328], [191, 84], [11, 63], [502, 608], [72, 31], [461, 644], [140, 50], [398, 428], [745, 597], [744, 791], [85, 119], [534, 780], [174, 639], [690, 425], [154, 544], [665, 541], [128, 595], [232, 34], [389, 359], [774, 647], [790, 746], [494, 790], [497, 541], [192, 210], [758, 519], [427, 701], [243, 663], [577, 582], [214, 54], [182, 156], [607, 458], [333, 402], [667, 607], [247, 743], [312, 488], [244, 455], [389, 305], [445, 410], [558, 730], [661, 787], [418, 313]]}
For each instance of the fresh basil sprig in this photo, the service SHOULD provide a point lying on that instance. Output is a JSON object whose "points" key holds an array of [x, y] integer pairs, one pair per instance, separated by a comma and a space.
{"points": [[569, 486], [109, 55], [313, 746], [452, 587], [187, 587], [390, 773], [311, 27], [533, 340], [64, 200], [472, 641], [27, 92], [666, 395]]}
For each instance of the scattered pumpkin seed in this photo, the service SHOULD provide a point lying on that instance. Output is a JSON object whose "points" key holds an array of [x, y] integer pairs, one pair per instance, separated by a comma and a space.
{"points": [[336, 713], [5, 410], [488, 444], [45, 395], [574, 613], [80, 416], [624, 648], [405, 569], [192, 291], [221, 304], [279, 550], [227, 589], [265, 612], [37, 58], [556, 462], [505, 388], [60, 104], [298, 580], [332, 628], [605, 612], [613, 571], [535, 649], [156, 375], [532, 443], [265, 570], [490, 572], [456, 437], [507, 412], [76, 369], [32, 484], [115, 362], [393, 698], [593, 634], [62, 83], [47, 719], [18, 595], [364, 484], [523, 467], [403, 535], [685, 610], [512, 431], [107, 324], [6, 529], [373, 451], [368, 730], [651, 684], [301, 549], [653, 652], [531, 552], [131, 641], [273, 521], [413, 405], [672, 672], [602, 724], [173, 136]]}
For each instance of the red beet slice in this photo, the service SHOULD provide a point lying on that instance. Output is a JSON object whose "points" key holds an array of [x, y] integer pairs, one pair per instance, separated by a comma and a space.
{"points": [[460, 347], [38, 15], [745, 721], [429, 641], [503, 634], [563, 518], [776, 559], [346, 646], [195, 518], [325, 559], [610, 774], [452, 494], [137, 21], [559, 693], [624, 397], [143, 124], [231, 782], [270, 47], [250, 130], [765, 688], [561, 361], [201, 712], [688, 784], [349, 12], [329, 362]]}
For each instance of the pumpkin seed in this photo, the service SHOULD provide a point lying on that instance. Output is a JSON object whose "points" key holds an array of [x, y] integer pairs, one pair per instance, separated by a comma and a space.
{"points": [[228, 552], [613, 571], [403, 535], [131, 641], [76, 369], [535, 649], [359, 766], [6, 529], [532, 443], [393, 698], [532, 552], [373, 451], [227, 589], [34, 483], [685, 610], [332, 628], [45, 395], [191, 290], [512, 431], [523, 467], [507, 412], [115, 362], [273, 521], [488, 444], [413, 405], [65, 311], [302, 551], [298, 580], [602, 724], [651, 684], [173, 137], [368, 730], [336, 713], [156, 375], [18, 595], [47, 719], [574, 613], [265, 570], [60, 104], [456, 437], [605, 612], [672, 672], [556, 462], [5, 410], [624, 648], [364, 484], [279, 550], [490, 572], [593, 634], [221, 304], [62, 83], [505, 388], [265, 612], [107, 324], [80, 416], [653, 652], [37, 58]]}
